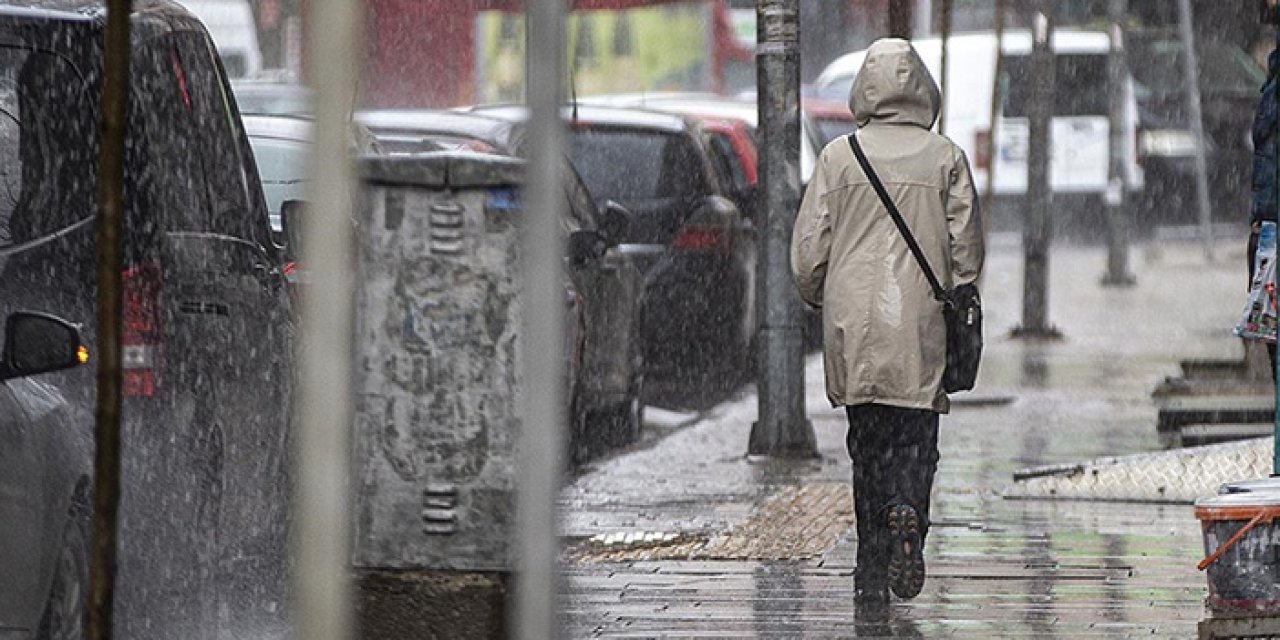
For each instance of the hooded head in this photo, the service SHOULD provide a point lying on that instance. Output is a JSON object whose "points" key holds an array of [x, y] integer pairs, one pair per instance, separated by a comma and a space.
{"points": [[894, 87]]}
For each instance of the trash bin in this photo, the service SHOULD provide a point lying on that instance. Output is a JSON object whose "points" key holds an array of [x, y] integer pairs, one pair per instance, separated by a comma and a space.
{"points": [[1242, 547], [1250, 486]]}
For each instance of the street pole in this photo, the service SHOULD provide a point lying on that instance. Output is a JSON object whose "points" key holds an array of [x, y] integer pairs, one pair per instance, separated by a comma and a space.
{"points": [[997, 99], [541, 444], [104, 528], [1118, 274], [901, 18], [946, 61], [322, 515], [782, 429], [1191, 72], [1037, 229]]}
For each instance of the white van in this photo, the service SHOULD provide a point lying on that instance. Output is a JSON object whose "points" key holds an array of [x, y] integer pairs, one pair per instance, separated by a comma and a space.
{"points": [[234, 31], [1079, 160]]}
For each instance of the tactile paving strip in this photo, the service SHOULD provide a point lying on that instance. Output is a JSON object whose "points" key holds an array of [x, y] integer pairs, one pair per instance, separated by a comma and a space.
{"points": [[795, 522]]}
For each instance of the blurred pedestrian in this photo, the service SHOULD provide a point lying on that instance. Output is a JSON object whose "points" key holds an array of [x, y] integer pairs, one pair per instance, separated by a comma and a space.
{"points": [[1264, 152], [884, 336]]}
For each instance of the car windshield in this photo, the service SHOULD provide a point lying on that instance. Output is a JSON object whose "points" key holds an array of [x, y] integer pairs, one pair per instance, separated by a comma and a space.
{"points": [[628, 165], [1079, 87], [282, 168], [1224, 68]]}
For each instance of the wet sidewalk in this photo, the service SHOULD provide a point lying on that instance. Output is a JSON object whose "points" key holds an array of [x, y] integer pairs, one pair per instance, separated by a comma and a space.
{"points": [[687, 537]]}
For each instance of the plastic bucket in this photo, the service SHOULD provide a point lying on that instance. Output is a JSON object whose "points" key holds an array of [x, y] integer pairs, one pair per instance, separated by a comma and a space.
{"points": [[1250, 486], [1242, 546]]}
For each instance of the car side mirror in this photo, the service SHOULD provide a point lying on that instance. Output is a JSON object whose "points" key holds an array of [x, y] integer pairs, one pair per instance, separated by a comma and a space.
{"points": [[293, 214], [39, 343], [615, 223], [586, 245], [720, 207]]}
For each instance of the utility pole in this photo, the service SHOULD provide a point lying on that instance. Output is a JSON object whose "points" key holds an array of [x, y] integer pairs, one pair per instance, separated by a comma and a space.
{"points": [[1037, 229], [1118, 274], [104, 531], [782, 429], [1191, 71], [902, 20]]}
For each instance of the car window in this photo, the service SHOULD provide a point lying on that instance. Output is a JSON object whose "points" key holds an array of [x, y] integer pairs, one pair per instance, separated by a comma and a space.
{"points": [[48, 149], [581, 207], [282, 170], [727, 161], [1080, 88], [628, 165]]}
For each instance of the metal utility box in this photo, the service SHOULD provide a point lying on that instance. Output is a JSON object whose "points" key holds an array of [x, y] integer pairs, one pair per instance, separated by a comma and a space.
{"points": [[436, 347]]}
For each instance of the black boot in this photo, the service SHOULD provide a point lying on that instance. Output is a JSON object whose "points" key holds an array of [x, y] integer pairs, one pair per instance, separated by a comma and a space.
{"points": [[906, 555]]}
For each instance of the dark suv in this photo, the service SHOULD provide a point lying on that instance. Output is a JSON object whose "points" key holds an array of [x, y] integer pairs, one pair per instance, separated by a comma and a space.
{"points": [[206, 320]]}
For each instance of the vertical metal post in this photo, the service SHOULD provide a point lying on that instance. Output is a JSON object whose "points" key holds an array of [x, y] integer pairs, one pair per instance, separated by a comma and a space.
{"points": [[901, 18], [108, 240], [944, 67], [1191, 72], [782, 428], [997, 98], [1118, 274], [542, 440], [322, 485], [1038, 227]]}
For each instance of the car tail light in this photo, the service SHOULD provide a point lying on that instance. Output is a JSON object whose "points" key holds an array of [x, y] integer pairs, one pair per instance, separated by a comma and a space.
{"points": [[702, 238], [982, 149], [141, 341]]}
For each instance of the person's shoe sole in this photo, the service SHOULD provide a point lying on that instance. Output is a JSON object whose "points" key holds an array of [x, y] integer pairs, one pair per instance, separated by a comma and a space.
{"points": [[906, 558]]}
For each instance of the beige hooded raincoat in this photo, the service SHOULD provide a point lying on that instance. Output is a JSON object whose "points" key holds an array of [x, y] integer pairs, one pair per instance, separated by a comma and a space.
{"points": [[884, 335]]}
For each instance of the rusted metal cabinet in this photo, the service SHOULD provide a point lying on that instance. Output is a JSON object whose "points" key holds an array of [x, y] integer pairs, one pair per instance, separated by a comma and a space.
{"points": [[436, 348]]}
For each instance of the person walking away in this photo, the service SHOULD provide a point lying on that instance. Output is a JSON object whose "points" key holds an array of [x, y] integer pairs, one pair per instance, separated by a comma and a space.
{"points": [[1265, 121], [884, 336]]}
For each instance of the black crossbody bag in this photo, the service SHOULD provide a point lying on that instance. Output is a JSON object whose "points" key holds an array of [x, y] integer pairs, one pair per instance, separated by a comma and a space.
{"points": [[961, 308]]}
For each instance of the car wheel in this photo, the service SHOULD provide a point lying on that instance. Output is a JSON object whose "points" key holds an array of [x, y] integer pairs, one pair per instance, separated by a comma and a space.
{"points": [[64, 611]]}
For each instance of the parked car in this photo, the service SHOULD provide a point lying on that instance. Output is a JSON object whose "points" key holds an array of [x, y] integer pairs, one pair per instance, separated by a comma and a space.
{"points": [[272, 98], [206, 327], [235, 33], [708, 105], [607, 391], [280, 146], [833, 117], [1229, 83], [1080, 132], [696, 249], [45, 477]]}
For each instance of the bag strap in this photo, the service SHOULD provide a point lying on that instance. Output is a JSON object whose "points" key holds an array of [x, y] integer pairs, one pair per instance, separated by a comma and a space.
{"points": [[939, 293]]}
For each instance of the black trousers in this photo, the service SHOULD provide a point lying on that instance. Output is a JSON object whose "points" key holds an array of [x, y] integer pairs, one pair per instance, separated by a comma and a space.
{"points": [[895, 454]]}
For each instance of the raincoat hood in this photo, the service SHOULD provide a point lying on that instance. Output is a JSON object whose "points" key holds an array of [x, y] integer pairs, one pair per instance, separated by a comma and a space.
{"points": [[894, 87]]}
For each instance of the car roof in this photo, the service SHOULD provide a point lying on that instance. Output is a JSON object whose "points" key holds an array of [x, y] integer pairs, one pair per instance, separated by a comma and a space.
{"points": [[597, 115], [280, 127], [495, 131], [161, 15], [1016, 42]]}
